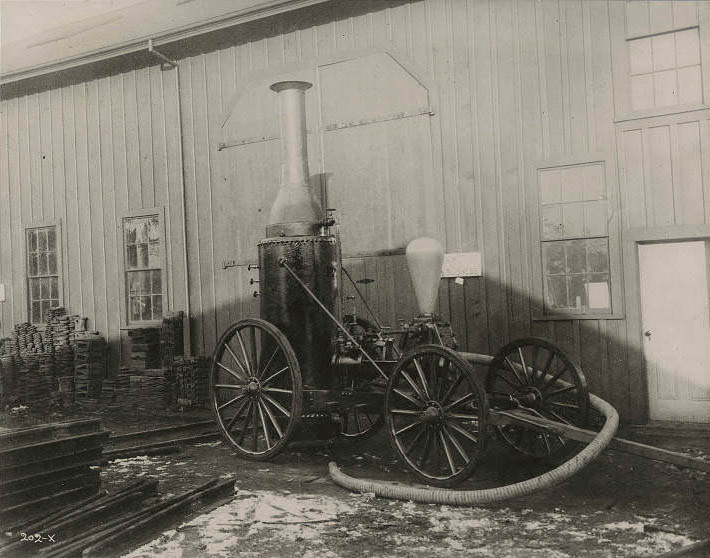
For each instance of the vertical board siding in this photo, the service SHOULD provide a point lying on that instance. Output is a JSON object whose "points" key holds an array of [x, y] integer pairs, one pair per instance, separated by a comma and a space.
{"points": [[509, 83]]}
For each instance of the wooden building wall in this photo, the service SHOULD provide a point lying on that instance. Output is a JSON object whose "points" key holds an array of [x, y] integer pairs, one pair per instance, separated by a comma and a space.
{"points": [[503, 84]]}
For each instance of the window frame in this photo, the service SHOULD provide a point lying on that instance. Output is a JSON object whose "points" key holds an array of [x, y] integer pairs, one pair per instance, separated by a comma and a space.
{"points": [[613, 236], [27, 227], [620, 36], [123, 283]]}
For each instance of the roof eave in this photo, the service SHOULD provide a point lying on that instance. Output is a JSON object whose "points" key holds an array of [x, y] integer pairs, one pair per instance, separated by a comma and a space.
{"points": [[271, 8]]}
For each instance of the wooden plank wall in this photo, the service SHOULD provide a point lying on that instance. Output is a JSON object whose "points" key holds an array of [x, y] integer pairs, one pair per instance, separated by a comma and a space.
{"points": [[84, 155], [511, 82]]}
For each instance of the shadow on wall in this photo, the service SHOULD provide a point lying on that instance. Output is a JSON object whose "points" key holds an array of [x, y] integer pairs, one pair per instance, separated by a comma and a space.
{"points": [[599, 346]]}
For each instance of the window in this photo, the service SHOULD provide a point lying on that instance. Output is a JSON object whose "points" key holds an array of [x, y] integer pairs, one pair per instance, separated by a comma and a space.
{"points": [[143, 240], [665, 70], [578, 258], [43, 265]]}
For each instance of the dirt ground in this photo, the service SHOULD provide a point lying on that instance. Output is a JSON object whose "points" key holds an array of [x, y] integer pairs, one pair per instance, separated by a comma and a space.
{"points": [[619, 506]]}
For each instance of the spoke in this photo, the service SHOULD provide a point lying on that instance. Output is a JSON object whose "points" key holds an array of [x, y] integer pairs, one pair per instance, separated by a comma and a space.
{"points": [[452, 388], [461, 416], [232, 401], [407, 428], [420, 372], [415, 387], [547, 443], [559, 417], [409, 397], [536, 351], [270, 378], [547, 385], [232, 372], [263, 426], [506, 380], [228, 386], [255, 443], [522, 363], [231, 352], [246, 422], [416, 438], [268, 363], [560, 404], [462, 431], [234, 418], [546, 368], [459, 401], [244, 352], [254, 351], [456, 444], [521, 381], [447, 451], [405, 412], [561, 391], [273, 420], [425, 452], [357, 421], [277, 390], [276, 404]]}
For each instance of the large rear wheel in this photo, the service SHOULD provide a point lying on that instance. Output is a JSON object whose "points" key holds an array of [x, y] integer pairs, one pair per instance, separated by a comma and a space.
{"points": [[256, 388]]}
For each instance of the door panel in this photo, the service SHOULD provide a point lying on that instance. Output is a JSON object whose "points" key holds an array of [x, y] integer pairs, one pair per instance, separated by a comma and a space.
{"points": [[676, 325]]}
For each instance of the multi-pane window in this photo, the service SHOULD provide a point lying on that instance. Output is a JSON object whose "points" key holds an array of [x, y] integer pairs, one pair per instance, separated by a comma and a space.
{"points": [[665, 70], [574, 232], [143, 244], [42, 271]]}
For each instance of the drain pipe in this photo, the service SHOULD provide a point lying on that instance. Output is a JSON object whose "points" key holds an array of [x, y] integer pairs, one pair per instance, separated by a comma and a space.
{"points": [[400, 491], [174, 65]]}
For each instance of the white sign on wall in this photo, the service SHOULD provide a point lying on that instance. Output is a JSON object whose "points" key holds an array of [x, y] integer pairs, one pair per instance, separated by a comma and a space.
{"points": [[462, 264]]}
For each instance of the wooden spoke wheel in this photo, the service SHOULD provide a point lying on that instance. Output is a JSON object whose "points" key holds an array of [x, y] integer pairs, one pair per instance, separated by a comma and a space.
{"points": [[537, 376], [436, 414], [256, 388]]}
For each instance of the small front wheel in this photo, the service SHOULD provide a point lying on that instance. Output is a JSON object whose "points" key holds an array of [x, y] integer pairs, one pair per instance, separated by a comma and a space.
{"points": [[436, 413], [256, 388]]}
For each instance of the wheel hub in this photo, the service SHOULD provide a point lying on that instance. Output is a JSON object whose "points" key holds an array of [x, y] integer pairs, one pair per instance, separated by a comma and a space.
{"points": [[531, 397], [253, 387], [433, 413]]}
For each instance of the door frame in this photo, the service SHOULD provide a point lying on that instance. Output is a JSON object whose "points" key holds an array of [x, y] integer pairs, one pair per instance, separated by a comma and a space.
{"points": [[636, 359]]}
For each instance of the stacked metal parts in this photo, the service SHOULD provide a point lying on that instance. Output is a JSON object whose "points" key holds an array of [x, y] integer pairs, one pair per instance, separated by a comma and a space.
{"points": [[294, 236]]}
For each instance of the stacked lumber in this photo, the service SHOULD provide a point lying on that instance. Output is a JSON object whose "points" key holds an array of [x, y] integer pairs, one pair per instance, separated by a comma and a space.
{"points": [[46, 465], [29, 339], [192, 381], [89, 366], [60, 328], [171, 340], [108, 524], [145, 348]]}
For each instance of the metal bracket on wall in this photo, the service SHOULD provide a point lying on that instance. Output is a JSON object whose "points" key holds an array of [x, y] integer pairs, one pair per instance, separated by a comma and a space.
{"points": [[165, 60]]}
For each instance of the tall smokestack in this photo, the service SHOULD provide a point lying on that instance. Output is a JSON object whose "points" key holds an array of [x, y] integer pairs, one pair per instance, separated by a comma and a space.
{"points": [[295, 212]]}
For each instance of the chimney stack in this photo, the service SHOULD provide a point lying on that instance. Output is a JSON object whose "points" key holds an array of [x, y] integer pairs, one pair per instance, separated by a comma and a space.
{"points": [[295, 212]]}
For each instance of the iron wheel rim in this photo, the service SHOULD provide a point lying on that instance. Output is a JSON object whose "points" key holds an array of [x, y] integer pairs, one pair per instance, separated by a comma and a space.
{"points": [[540, 378], [436, 414], [255, 389]]}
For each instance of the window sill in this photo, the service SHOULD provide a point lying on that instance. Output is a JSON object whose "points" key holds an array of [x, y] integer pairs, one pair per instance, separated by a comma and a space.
{"points": [[575, 317], [661, 111], [143, 325]]}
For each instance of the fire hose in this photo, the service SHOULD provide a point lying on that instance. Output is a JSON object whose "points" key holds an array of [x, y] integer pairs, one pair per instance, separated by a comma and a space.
{"points": [[474, 497]]}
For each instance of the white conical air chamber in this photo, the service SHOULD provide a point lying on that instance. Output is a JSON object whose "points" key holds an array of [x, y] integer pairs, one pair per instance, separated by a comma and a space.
{"points": [[425, 256]]}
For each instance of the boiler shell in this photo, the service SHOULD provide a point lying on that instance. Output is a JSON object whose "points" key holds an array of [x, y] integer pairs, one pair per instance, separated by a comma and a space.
{"points": [[286, 304]]}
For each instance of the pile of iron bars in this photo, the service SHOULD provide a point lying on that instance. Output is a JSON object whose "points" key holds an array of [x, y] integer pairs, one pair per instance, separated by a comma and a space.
{"points": [[47, 465]]}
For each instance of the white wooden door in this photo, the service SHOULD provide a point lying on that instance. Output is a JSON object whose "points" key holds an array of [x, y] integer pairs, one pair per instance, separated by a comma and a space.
{"points": [[676, 329]]}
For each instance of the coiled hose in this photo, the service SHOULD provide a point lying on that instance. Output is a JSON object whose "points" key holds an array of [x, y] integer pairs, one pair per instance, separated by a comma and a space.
{"points": [[475, 497]]}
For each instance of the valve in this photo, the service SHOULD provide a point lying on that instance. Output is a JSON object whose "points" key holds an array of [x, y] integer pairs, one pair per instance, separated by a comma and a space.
{"points": [[253, 266], [252, 281], [256, 294]]}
